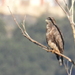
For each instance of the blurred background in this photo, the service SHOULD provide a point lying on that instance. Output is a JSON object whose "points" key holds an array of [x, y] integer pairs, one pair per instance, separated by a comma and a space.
{"points": [[19, 56]]}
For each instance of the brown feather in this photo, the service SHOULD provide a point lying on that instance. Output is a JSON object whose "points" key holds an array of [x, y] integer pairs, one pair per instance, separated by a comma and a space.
{"points": [[53, 36]]}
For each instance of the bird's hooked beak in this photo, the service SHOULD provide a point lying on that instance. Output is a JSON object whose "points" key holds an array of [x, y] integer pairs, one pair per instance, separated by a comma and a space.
{"points": [[47, 21]]}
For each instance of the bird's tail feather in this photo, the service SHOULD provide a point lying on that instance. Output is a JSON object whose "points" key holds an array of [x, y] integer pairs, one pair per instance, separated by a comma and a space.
{"points": [[60, 59], [60, 62]]}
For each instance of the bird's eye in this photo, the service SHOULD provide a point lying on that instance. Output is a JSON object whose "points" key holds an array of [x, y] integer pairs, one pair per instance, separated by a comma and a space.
{"points": [[48, 18]]}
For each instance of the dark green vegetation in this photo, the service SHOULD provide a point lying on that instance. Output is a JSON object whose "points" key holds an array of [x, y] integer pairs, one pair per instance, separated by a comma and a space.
{"points": [[18, 56]]}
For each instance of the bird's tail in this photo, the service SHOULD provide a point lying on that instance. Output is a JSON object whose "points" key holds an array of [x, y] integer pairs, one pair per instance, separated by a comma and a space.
{"points": [[60, 59]]}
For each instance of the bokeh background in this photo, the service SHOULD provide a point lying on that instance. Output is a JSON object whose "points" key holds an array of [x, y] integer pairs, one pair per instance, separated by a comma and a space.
{"points": [[19, 56]]}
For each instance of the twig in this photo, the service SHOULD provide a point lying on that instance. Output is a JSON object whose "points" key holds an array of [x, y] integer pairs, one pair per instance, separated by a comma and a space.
{"points": [[66, 67], [72, 10], [62, 8], [23, 24], [66, 5], [69, 71]]}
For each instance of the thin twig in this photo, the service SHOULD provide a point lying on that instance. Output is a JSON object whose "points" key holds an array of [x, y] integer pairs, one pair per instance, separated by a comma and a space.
{"points": [[68, 70], [62, 8], [67, 8], [15, 20], [66, 67], [24, 22], [72, 10], [71, 69]]}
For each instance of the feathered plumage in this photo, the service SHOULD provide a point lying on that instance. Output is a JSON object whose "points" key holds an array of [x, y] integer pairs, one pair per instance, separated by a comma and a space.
{"points": [[54, 38]]}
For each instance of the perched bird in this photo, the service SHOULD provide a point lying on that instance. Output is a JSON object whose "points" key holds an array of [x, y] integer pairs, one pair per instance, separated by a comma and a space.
{"points": [[54, 38]]}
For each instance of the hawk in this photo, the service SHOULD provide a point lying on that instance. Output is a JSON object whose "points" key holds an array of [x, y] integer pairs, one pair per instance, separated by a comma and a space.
{"points": [[54, 38]]}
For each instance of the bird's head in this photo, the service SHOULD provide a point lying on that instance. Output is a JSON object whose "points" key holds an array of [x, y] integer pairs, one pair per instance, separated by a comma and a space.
{"points": [[50, 20]]}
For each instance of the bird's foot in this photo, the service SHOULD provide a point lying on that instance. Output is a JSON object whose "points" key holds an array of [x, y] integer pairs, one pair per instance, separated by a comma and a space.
{"points": [[53, 51]]}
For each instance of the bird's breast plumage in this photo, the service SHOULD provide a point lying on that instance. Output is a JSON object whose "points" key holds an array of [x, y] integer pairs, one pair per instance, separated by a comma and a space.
{"points": [[53, 38]]}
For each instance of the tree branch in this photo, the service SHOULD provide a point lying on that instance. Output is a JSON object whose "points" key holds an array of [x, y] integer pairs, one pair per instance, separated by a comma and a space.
{"points": [[67, 14], [68, 70], [25, 34], [70, 15]]}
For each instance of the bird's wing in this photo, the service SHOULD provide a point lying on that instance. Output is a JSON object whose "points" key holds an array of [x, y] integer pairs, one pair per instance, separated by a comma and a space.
{"points": [[58, 38], [50, 38]]}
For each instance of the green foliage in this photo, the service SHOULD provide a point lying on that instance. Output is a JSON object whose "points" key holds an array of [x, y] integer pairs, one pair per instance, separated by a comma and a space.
{"points": [[18, 56]]}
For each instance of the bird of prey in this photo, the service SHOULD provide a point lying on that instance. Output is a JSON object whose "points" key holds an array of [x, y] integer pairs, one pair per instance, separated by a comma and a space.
{"points": [[54, 38]]}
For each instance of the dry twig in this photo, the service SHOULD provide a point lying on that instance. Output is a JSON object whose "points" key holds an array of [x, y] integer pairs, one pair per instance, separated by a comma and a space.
{"points": [[68, 70]]}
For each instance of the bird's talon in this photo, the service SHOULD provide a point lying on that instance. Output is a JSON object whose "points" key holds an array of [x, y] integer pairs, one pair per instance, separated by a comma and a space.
{"points": [[53, 51]]}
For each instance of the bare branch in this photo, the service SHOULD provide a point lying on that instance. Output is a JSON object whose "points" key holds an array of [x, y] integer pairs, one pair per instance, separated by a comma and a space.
{"points": [[71, 69], [62, 8], [15, 20], [72, 10], [24, 23], [66, 5], [68, 70], [25, 34], [66, 67], [70, 16], [71, 19]]}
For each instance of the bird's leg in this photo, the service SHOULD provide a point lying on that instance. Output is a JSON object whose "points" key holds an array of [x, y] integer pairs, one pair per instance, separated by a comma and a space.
{"points": [[57, 51], [53, 51]]}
